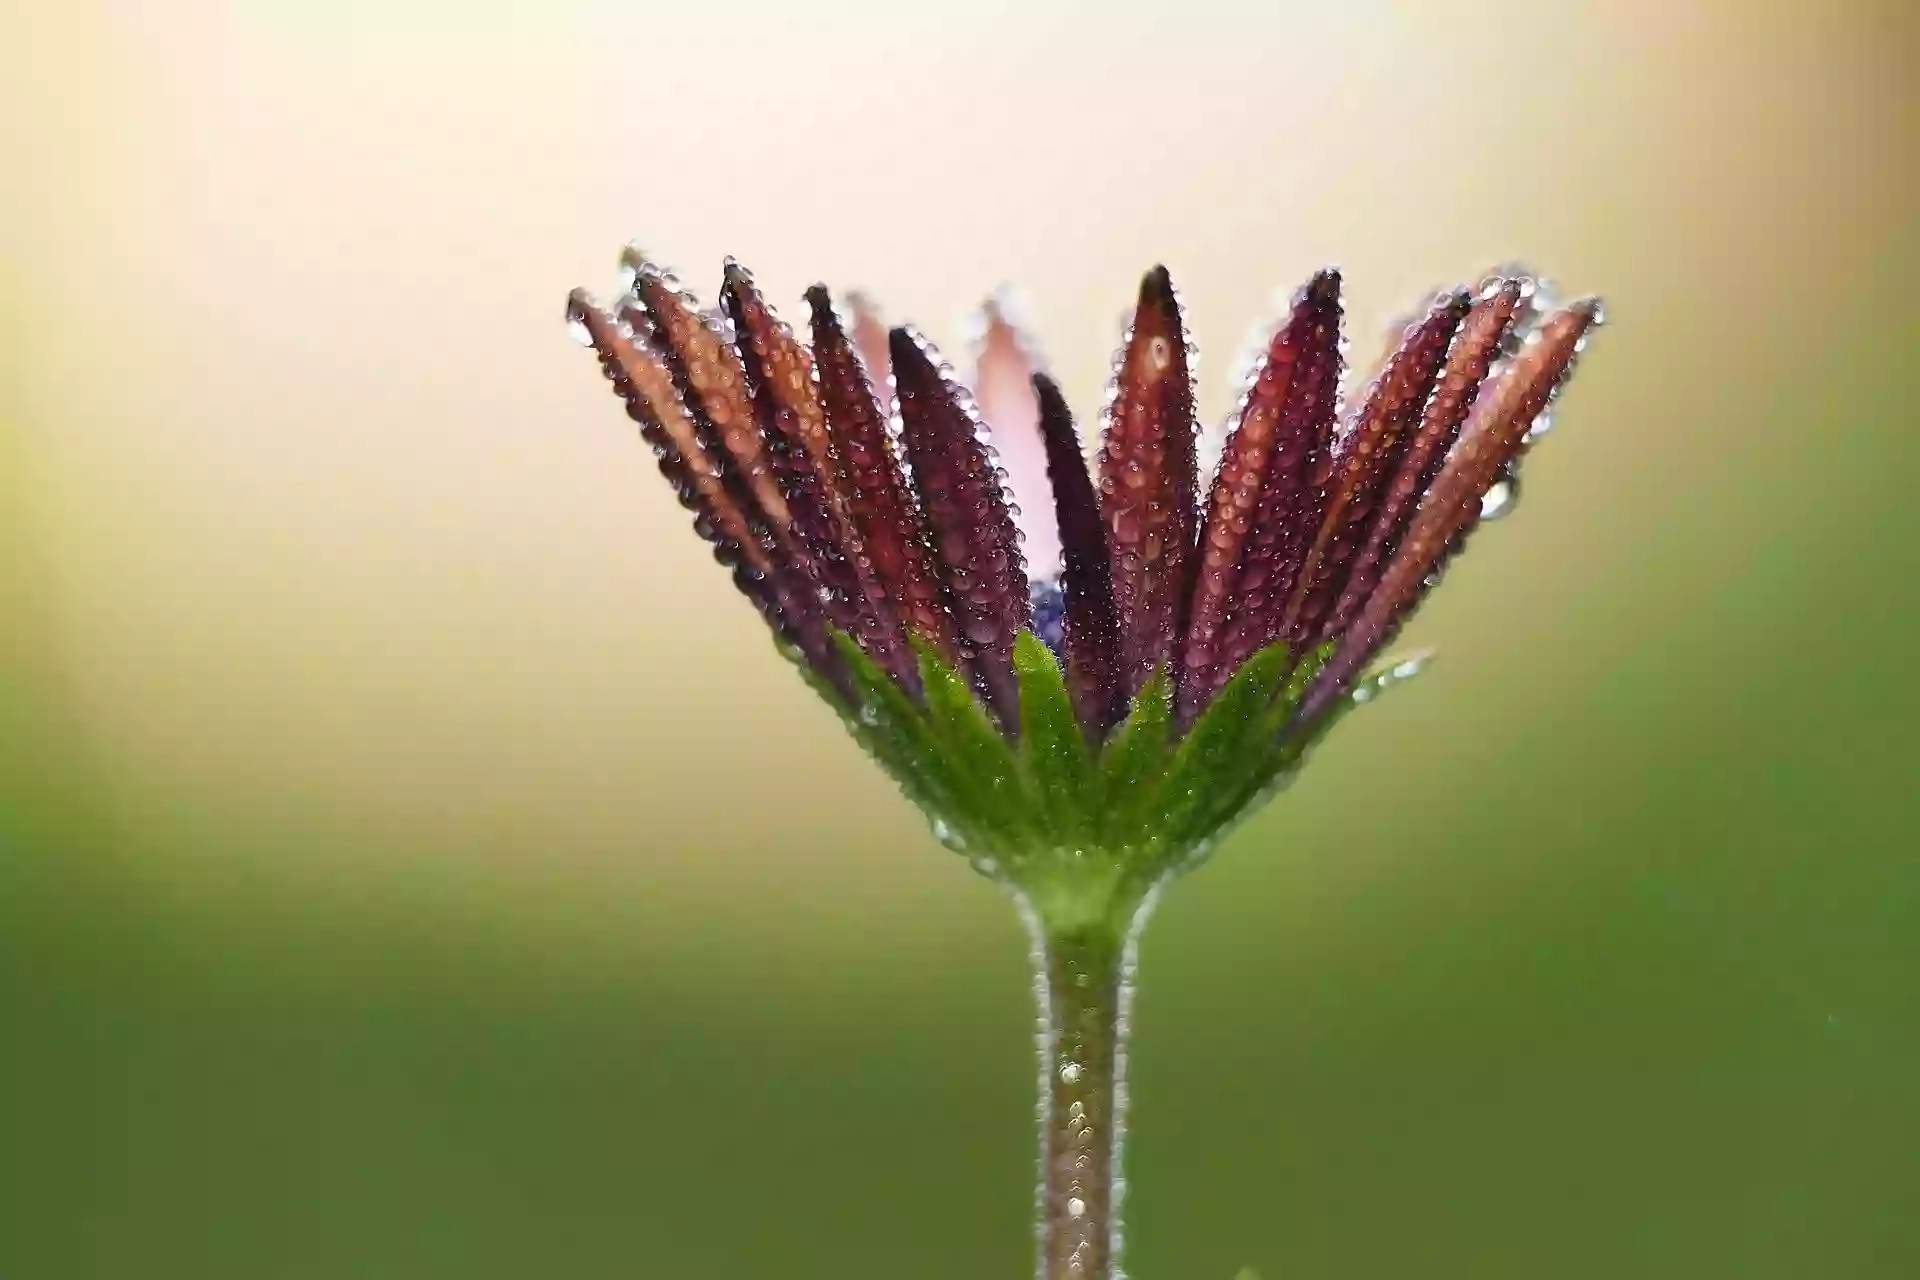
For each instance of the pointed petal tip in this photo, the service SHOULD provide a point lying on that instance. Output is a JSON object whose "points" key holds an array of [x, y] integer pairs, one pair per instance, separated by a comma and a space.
{"points": [[1156, 287], [1511, 288], [903, 342], [734, 276], [1516, 277], [636, 264], [1008, 298], [1053, 405], [1002, 313]]}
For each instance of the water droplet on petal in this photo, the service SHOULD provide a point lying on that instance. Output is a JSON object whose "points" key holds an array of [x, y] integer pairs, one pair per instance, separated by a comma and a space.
{"points": [[1500, 499], [1394, 672]]}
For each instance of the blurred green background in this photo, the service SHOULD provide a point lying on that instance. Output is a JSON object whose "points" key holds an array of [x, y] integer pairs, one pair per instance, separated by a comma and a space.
{"points": [[414, 864]]}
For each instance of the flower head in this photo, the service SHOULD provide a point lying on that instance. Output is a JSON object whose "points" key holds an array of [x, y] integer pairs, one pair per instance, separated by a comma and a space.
{"points": [[1087, 726]]}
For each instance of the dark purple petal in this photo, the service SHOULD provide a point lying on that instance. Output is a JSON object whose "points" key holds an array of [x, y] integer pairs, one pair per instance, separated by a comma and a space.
{"points": [[1268, 437], [818, 493], [1359, 466], [1493, 436], [1474, 349], [884, 511], [1092, 636], [1290, 505], [966, 510], [1147, 484]]}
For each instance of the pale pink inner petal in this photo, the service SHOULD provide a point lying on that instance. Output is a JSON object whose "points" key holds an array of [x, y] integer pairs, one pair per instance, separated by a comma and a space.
{"points": [[1002, 383], [869, 336]]}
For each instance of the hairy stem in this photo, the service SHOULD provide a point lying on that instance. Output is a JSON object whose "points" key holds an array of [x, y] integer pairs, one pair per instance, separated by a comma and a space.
{"points": [[1084, 986]]}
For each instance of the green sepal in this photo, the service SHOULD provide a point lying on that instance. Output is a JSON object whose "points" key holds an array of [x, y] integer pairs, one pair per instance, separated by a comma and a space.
{"points": [[885, 721], [1083, 829], [977, 760], [1053, 748], [1273, 754], [1224, 748], [1131, 764]]}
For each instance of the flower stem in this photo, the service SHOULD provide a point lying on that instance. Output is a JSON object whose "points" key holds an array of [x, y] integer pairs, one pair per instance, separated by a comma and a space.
{"points": [[1084, 985]]}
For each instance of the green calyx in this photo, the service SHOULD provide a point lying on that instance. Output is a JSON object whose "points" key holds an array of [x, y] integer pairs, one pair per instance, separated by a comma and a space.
{"points": [[1084, 830]]}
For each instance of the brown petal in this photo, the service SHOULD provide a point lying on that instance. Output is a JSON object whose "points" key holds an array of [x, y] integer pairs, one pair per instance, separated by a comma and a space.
{"points": [[1003, 369], [1366, 456], [883, 508], [1257, 447], [1092, 636], [710, 376], [1147, 483], [643, 379], [973, 532], [1291, 501], [780, 373], [1492, 437], [1474, 350]]}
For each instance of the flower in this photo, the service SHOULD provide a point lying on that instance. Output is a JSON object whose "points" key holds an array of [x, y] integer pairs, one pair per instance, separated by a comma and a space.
{"points": [[1085, 734]]}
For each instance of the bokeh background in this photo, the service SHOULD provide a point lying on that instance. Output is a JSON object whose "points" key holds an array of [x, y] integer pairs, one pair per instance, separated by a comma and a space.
{"points": [[414, 863]]}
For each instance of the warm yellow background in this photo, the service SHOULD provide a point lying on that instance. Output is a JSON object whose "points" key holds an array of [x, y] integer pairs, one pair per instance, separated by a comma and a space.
{"points": [[414, 862]]}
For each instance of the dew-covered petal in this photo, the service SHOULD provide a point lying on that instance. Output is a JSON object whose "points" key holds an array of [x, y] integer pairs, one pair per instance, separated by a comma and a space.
{"points": [[868, 333], [974, 541], [1092, 640], [708, 371], [1492, 437], [1475, 347], [1147, 482], [1004, 362], [1358, 467], [893, 532], [643, 379], [1265, 439], [786, 398], [1290, 503]]}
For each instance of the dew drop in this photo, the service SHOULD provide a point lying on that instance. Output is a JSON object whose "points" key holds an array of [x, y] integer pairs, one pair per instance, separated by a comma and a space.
{"points": [[982, 630], [943, 832], [1069, 1072], [1394, 672], [1076, 1207], [1500, 499]]}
